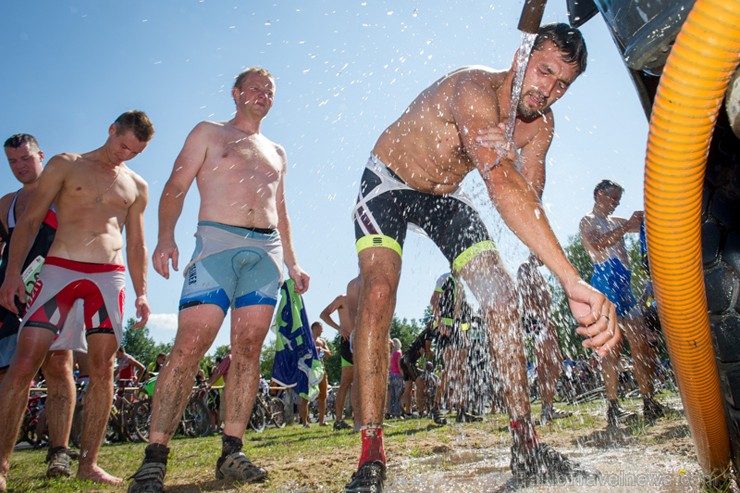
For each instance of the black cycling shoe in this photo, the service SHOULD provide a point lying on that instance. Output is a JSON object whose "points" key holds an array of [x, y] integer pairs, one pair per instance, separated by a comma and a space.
{"points": [[438, 418], [615, 415], [653, 410], [369, 478], [542, 464]]}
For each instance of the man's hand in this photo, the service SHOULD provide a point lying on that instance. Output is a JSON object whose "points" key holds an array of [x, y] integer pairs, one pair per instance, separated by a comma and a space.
{"points": [[12, 286], [165, 251], [494, 137], [301, 279], [636, 219], [142, 311], [596, 316]]}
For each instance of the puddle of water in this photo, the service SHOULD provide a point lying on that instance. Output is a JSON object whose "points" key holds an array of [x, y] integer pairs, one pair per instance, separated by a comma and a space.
{"points": [[665, 466]]}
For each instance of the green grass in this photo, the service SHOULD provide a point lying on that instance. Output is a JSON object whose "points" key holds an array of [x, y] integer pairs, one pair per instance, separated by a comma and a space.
{"points": [[300, 459]]}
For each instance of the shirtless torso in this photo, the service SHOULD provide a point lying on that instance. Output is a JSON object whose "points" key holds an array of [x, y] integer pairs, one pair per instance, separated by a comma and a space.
{"points": [[435, 157]]}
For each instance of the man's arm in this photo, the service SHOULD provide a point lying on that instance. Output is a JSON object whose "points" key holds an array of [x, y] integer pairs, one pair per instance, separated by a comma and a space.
{"points": [[521, 210], [325, 315], [139, 369], [51, 182], [186, 168], [601, 240], [4, 209], [136, 256], [324, 347], [294, 270]]}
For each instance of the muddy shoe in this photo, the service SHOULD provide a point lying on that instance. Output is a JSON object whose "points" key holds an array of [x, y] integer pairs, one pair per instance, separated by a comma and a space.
{"points": [[341, 425], [438, 418], [149, 478], [236, 467], [653, 410], [369, 478], [60, 463], [544, 464], [550, 414], [615, 415]]}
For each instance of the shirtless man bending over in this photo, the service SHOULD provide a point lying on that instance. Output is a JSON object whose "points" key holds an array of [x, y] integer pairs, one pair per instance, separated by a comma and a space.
{"points": [[453, 127], [242, 240], [96, 196]]}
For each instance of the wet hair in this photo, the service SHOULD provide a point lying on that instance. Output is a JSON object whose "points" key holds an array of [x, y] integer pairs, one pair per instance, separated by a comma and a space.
{"points": [[246, 73], [607, 185], [568, 40], [316, 324], [17, 140], [136, 121]]}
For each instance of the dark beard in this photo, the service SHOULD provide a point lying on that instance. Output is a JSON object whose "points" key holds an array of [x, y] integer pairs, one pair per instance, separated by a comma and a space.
{"points": [[525, 113]]}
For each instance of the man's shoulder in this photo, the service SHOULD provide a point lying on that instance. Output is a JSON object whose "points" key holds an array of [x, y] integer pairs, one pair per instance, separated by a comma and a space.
{"points": [[65, 159]]}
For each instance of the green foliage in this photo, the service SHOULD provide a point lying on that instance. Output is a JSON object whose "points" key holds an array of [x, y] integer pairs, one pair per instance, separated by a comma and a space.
{"points": [[405, 330], [267, 358]]}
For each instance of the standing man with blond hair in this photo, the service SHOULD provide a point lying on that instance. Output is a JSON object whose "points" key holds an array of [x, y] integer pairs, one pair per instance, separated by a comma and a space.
{"points": [[243, 239], [96, 197]]}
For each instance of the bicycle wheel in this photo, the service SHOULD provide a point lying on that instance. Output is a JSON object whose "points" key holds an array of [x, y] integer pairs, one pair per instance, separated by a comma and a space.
{"points": [[277, 412], [258, 420], [29, 430], [141, 417], [195, 419]]}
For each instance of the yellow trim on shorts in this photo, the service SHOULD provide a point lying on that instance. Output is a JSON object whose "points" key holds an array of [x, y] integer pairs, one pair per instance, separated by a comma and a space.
{"points": [[471, 252], [370, 241]]}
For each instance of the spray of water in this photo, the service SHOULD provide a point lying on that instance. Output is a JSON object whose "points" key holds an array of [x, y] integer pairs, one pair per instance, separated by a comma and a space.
{"points": [[520, 67]]}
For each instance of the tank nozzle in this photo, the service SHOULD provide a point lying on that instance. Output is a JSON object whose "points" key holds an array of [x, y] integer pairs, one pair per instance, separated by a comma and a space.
{"points": [[531, 17]]}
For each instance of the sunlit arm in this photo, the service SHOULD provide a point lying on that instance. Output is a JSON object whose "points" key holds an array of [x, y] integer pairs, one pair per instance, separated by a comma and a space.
{"points": [[294, 270], [136, 253]]}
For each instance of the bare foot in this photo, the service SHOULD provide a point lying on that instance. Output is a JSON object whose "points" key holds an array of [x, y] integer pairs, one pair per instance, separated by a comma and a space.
{"points": [[96, 474], [3, 485]]}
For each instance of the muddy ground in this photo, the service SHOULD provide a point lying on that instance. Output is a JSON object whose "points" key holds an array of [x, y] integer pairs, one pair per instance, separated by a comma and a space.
{"points": [[659, 458]]}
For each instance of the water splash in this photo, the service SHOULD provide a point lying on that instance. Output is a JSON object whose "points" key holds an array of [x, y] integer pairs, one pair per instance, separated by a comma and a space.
{"points": [[520, 67]]}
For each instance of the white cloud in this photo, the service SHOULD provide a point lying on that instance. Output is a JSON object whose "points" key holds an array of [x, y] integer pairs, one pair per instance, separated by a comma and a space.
{"points": [[162, 321]]}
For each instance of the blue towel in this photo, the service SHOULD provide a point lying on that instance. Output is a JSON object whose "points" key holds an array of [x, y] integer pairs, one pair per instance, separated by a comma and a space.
{"points": [[297, 364]]}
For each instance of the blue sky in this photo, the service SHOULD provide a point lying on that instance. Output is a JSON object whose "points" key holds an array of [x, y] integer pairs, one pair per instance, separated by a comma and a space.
{"points": [[344, 70]]}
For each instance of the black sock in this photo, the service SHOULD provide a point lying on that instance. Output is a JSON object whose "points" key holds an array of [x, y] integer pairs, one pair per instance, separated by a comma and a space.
{"points": [[156, 452], [230, 445]]}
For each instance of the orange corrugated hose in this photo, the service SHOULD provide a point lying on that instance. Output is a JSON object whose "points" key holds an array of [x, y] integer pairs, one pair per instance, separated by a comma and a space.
{"points": [[691, 89]]}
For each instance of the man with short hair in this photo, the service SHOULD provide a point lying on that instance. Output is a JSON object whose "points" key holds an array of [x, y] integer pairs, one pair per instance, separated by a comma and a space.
{"points": [[129, 371], [602, 235], [96, 196], [243, 239], [413, 176], [26, 162]]}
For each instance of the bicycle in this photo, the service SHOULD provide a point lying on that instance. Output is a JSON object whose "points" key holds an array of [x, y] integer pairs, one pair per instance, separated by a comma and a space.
{"points": [[33, 427], [195, 421], [266, 410]]}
